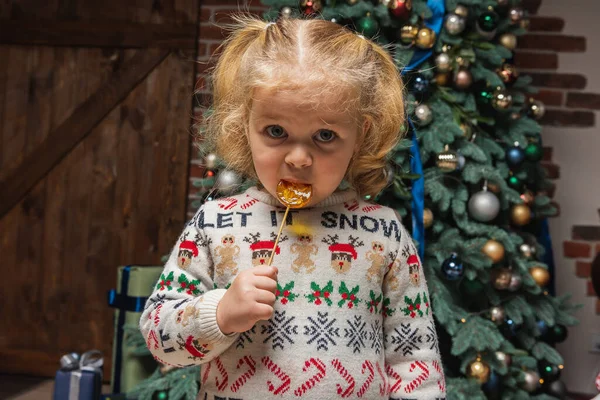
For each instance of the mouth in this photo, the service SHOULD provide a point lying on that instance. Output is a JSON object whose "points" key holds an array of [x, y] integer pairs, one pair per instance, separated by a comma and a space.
{"points": [[297, 181]]}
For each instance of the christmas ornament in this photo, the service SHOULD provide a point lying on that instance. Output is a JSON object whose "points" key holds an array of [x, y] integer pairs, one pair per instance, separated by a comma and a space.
{"points": [[285, 12], [463, 79], [352, 2], [527, 250], [536, 109], [543, 328], [503, 358], [210, 161], [501, 278], [502, 100], [520, 214], [311, 7], [461, 162], [508, 73], [548, 372], [443, 62], [442, 79], [400, 8], [427, 218], [509, 328], [488, 21], [453, 268], [515, 14], [516, 280], [485, 96], [527, 197], [408, 34], [502, 3], [368, 25], [455, 24], [227, 181], [494, 250], [515, 183], [461, 11], [558, 389], [423, 114], [160, 395], [419, 86], [425, 38], [466, 129], [515, 156], [531, 381], [508, 40], [534, 152], [558, 333], [497, 315], [540, 275], [484, 206], [492, 387], [479, 370], [447, 160]]}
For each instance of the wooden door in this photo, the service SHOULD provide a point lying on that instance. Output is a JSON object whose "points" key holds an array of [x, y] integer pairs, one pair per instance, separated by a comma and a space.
{"points": [[95, 116]]}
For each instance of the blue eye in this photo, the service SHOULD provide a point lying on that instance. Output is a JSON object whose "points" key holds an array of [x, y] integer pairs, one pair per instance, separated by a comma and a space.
{"points": [[275, 131], [325, 135]]}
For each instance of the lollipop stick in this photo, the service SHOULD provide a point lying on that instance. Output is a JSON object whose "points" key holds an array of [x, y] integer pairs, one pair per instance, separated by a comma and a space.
{"points": [[278, 235]]}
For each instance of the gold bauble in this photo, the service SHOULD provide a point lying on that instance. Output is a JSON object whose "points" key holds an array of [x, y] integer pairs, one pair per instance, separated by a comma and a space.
{"points": [[494, 250], [508, 40], [408, 34], [447, 160], [540, 275], [461, 11], [520, 214], [466, 129], [479, 370], [442, 79], [427, 218], [425, 38], [501, 278]]}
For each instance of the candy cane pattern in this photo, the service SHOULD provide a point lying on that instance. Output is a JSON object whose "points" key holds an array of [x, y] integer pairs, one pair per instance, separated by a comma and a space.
{"points": [[367, 364], [383, 388], [441, 382], [285, 379], [228, 203], [206, 372], [316, 378], [418, 381], [347, 377], [249, 203], [352, 206], [157, 316], [152, 340], [393, 374], [239, 382], [221, 386], [368, 209]]}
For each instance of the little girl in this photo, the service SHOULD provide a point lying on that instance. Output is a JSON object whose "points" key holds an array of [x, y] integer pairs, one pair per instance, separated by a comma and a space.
{"points": [[345, 312]]}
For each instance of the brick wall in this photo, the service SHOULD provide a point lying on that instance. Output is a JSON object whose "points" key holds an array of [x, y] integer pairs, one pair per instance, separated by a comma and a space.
{"points": [[567, 105]]}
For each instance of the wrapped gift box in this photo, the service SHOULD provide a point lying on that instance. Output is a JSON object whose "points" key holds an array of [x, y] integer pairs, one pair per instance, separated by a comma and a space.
{"points": [[80, 377], [134, 284]]}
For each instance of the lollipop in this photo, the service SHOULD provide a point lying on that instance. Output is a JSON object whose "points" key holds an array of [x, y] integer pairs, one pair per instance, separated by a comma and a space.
{"points": [[291, 195]]}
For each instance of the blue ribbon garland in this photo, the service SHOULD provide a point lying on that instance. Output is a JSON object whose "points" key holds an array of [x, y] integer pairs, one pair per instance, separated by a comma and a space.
{"points": [[438, 10], [548, 259]]}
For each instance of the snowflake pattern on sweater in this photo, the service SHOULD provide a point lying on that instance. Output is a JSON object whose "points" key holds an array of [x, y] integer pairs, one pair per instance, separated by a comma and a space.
{"points": [[352, 317]]}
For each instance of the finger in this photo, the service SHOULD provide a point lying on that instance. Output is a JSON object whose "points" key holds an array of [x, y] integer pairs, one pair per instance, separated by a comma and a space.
{"points": [[262, 311], [265, 297], [265, 283], [265, 270]]}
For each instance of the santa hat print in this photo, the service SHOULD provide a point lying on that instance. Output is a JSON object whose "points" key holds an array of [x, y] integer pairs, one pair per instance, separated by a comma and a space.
{"points": [[412, 260], [343, 248], [189, 245], [264, 245]]}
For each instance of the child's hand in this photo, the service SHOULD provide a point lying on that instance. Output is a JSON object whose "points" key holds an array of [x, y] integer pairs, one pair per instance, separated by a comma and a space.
{"points": [[250, 298]]}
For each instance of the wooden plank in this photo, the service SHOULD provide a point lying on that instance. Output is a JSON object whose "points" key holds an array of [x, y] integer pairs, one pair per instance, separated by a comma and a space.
{"points": [[120, 34], [39, 162], [30, 362]]}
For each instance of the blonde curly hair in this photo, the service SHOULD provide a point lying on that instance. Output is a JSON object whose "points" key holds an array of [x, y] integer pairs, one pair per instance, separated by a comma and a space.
{"points": [[304, 55]]}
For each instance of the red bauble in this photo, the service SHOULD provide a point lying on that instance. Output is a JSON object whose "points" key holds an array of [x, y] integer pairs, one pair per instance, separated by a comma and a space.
{"points": [[400, 8], [311, 7]]}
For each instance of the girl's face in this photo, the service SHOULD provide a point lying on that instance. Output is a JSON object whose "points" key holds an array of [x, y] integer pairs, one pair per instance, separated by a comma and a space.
{"points": [[294, 142]]}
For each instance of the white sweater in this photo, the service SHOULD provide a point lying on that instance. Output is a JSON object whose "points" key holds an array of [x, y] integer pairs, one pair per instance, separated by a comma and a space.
{"points": [[352, 316]]}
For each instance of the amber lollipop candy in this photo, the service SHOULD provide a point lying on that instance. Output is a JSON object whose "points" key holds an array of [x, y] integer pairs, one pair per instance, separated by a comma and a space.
{"points": [[291, 195]]}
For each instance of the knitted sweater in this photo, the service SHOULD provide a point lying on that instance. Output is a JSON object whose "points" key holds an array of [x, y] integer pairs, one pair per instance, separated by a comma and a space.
{"points": [[352, 316]]}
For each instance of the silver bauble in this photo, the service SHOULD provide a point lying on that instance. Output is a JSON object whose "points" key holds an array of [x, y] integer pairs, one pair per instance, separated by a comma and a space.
{"points": [[502, 100], [227, 181], [516, 280], [286, 12], [515, 14], [497, 315], [527, 250], [443, 62], [531, 382], [210, 161], [503, 358], [454, 24], [484, 206], [423, 114], [537, 109], [461, 161]]}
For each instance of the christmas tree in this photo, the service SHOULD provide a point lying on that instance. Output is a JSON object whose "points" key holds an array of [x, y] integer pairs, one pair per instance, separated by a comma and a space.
{"points": [[468, 176]]}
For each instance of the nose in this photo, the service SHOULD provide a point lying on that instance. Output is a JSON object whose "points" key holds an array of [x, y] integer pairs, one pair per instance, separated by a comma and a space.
{"points": [[298, 157]]}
